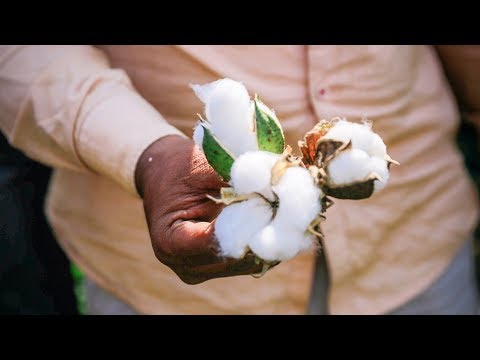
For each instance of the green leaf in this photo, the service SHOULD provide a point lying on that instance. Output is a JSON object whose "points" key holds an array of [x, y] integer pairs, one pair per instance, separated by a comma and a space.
{"points": [[269, 131], [218, 157]]}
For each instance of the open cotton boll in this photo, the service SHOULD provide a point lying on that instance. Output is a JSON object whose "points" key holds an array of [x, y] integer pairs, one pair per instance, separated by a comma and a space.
{"points": [[252, 172], [349, 166], [204, 92], [361, 136], [299, 198], [230, 113], [238, 222], [343, 130], [377, 147], [379, 166], [277, 242]]}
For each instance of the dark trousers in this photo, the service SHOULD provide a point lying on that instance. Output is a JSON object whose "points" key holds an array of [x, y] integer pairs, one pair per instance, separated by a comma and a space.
{"points": [[34, 272]]}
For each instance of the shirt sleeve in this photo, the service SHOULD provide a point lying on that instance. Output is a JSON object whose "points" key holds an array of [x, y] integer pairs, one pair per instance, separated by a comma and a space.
{"points": [[66, 107]]}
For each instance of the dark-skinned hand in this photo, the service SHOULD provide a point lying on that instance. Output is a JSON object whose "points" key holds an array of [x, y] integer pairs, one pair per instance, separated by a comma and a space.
{"points": [[173, 177]]}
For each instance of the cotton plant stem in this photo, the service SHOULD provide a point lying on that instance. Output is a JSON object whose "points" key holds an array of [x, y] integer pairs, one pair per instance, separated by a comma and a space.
{"points": [[320, 287]]}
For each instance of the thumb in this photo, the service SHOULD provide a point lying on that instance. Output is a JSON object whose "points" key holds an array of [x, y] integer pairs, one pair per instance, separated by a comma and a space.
{"points": [[204, 174]]}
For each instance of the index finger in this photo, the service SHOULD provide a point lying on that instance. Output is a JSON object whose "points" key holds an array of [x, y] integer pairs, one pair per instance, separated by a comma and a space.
{"points": [[228, 268]]}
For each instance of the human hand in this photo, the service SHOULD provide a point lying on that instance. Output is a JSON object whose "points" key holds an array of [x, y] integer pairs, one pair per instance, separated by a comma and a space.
{"points": [[173, 177]]}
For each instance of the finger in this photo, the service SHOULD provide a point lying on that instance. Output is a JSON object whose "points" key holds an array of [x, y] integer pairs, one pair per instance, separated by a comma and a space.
{"points": [[249, 264], [227, 268], [189, 238], [189, 242], [207, 211], [195, 278]]}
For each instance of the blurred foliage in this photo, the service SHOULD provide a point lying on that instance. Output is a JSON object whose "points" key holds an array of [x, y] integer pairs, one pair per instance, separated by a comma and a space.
{"points": [[78, 288], [468, 142]]}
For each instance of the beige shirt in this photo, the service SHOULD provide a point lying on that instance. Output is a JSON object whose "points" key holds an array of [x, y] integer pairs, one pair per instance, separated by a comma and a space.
{"points": [[73, 108]]}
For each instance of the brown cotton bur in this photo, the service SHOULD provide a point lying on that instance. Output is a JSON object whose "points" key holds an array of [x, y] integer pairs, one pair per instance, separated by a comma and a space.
{"points": [[308, 146], [354, 191]]}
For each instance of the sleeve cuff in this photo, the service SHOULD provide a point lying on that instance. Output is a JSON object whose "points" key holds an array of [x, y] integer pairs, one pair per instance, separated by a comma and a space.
{"points": [[115, 128]]}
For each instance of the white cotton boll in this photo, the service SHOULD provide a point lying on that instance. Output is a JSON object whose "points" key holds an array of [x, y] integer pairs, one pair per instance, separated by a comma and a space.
{"points": [[198, 135], [380, 167], [361, 135], [238, 222], [204, 92], [366, 156], [341, 131], [252, 172], [277, 242], [299, 198], [230, 114], [229, 111], [349, 166], [377, 147], [362, 138]]}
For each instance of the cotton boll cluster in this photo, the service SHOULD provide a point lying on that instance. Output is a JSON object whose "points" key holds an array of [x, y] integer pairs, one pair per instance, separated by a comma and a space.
{"points": [[275, 202], [272, 200], [273, 222]]}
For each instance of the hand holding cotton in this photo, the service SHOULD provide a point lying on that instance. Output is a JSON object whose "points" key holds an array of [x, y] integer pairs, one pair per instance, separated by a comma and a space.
{"points": [[276, 201]]}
